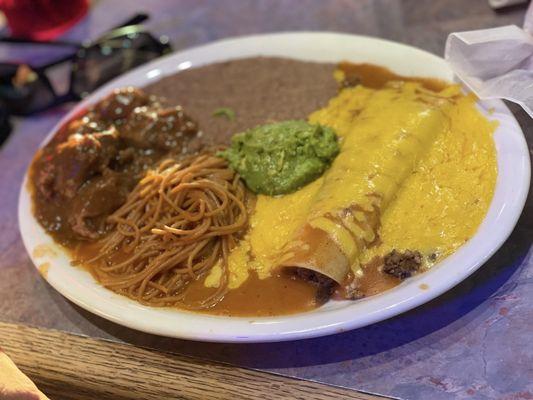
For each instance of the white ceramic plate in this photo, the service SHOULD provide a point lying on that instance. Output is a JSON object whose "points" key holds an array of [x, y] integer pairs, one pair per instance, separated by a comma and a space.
{"points": [[511, 191]]}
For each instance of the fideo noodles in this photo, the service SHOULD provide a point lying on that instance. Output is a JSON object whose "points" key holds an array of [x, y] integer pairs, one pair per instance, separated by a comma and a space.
{"points": [[181, 219]]}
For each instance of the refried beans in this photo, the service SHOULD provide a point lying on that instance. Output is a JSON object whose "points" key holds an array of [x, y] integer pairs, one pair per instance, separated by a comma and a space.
{"points": [[259, 90]]}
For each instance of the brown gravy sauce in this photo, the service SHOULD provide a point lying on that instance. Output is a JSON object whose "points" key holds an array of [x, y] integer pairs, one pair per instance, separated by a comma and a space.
{"points": [[283, 294], [374, 281], [375, 77], [277, 295]]}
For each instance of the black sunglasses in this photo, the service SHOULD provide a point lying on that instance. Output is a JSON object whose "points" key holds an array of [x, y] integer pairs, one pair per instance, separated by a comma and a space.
{"points": [[26, 90]]}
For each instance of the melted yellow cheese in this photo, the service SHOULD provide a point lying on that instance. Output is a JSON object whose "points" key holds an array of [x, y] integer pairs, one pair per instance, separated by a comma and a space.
{"points": [[271, 226], [426, 159], [385, 134], [443, 202], [274, 222]]}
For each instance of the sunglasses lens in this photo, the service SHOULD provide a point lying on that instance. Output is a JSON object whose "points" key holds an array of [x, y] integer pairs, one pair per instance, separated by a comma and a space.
{"points": [[5, 126], [7, 72], [103, 61], [22, 90]]}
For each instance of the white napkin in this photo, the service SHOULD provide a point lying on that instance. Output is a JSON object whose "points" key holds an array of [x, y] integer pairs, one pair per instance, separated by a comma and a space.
{"points": [[496, 63]]}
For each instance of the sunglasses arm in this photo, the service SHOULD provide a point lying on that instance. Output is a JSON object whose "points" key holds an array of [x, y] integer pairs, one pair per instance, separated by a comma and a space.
{"points": [[135, 20], [61, 43]]}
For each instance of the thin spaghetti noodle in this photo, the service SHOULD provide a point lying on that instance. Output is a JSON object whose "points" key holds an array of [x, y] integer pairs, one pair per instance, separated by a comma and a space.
{"points": [[181, 219]]}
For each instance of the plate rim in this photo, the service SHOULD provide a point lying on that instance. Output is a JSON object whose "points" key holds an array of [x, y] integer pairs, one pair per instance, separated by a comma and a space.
{"points": [[256, 325]]}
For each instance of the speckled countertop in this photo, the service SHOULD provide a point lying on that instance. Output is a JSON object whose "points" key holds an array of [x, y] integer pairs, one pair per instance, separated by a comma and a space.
{"points": [[473, 342]]}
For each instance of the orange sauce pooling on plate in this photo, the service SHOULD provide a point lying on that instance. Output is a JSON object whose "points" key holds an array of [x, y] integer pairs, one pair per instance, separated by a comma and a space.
{"points": [[375, 77], [277, 295]]}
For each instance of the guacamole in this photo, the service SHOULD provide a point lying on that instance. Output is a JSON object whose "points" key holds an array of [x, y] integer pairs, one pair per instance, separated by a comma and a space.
{"points": [[280, 158]]}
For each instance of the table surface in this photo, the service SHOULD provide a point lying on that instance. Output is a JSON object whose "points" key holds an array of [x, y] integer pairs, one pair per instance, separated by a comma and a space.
{"points": [[85, 371], [473, 342]]}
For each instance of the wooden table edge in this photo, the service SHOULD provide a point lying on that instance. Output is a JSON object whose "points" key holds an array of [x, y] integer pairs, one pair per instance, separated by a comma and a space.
{"points": [[69, 366]]}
